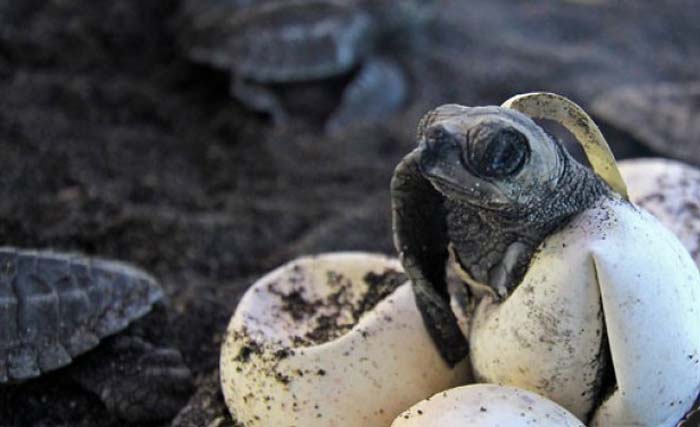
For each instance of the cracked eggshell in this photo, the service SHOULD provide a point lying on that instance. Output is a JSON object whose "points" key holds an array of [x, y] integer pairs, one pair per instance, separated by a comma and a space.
{"points": [[669, 190], [613, 282], [486, 405], [307, 346]]}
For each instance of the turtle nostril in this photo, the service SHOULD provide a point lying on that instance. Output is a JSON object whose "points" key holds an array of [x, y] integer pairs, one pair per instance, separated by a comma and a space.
{"points": [[436, 137]]}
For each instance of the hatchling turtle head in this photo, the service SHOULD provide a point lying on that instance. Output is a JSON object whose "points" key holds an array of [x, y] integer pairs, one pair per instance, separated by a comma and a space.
{"points": [[488, 157]]}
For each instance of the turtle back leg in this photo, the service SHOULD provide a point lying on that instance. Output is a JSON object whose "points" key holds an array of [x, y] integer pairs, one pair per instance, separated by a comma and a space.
{"points": [[258, 98], [378, 90], [420, 236], [136, 379], [206, 407]]}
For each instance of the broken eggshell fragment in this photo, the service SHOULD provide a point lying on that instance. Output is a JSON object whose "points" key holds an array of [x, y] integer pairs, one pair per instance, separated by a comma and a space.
{"points": [[591, 295], [669, 190], [330, 340], [486, 405]]}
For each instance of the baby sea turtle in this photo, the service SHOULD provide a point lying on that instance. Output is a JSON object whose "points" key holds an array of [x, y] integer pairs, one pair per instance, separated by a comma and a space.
{"points": [[55, 307], [268, 43], [481, 188], [540, 270]]}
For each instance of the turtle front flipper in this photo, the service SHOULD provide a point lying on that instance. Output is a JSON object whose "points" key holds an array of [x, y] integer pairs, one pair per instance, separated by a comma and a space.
{"points": [[377, 91], [420, 237], [258, 98], [136, 380]]}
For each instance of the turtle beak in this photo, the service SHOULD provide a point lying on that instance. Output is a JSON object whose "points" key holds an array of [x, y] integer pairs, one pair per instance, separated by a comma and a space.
{"points": [[441, 162]]}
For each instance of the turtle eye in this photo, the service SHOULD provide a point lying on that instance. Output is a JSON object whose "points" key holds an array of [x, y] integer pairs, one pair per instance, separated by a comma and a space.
{"points": [[502, 154]]}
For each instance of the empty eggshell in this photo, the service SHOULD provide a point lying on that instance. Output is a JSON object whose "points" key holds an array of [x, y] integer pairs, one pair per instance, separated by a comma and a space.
{"points": [[670, 190], [486, 405], [330, 340]]}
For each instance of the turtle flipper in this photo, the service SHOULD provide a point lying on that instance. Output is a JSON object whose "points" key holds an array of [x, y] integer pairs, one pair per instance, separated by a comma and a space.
{"points": [[258, 98], [420, 237], [136, 380], [378, 91]]}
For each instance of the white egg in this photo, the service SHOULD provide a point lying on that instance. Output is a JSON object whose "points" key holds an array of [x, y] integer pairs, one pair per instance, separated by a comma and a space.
{"points": [[486, 405], [670, 190], [317, 343]]}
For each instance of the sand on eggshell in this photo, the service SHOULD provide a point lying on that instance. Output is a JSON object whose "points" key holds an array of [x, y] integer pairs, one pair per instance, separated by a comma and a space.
{"points": [[330, 340]]}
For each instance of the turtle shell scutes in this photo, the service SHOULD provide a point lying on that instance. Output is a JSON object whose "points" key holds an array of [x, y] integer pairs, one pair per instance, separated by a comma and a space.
{"points": [[284, 42], [54, 307]]}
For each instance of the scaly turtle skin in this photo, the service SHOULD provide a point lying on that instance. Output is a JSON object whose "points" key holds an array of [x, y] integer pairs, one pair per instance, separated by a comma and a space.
{"points": [[55, 307], [272, 42], [479, 185]]}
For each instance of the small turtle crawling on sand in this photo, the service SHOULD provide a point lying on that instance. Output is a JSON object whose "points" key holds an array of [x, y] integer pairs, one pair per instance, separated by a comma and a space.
{"points": [[55, 307], [268, 43]]}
